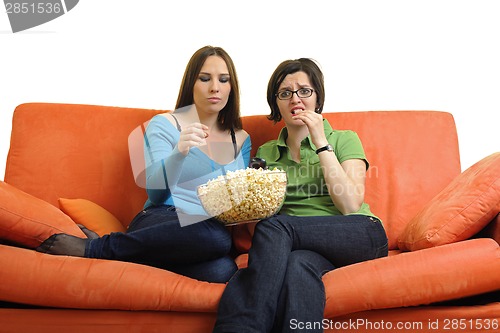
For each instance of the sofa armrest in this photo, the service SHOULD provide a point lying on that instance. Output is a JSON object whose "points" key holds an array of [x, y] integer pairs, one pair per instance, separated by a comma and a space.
{"points": [[31, 277], [426, 276]]}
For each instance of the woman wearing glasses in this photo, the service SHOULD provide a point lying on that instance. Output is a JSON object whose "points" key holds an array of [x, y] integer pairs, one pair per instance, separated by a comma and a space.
{"points": [[324, 222]]}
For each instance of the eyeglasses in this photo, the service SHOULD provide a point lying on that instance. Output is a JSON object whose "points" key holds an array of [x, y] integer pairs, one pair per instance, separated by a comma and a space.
{"points": [[301, 93]]}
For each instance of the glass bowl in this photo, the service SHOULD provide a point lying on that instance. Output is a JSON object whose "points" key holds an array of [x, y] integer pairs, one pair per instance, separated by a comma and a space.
{"points": [[245, 195]]}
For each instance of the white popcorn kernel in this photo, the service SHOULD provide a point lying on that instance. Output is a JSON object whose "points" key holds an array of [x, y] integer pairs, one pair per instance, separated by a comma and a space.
{"points": [[243, 195]]}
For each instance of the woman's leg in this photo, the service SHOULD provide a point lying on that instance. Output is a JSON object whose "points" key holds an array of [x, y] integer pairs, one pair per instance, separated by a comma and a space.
{"points": [[156, 238], [219, 270], [302, 298], [249, 302], [163, 240]]}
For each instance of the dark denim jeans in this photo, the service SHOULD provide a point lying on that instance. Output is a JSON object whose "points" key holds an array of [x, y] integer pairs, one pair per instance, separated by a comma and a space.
{"points": [[156, 238], [282, 286]]}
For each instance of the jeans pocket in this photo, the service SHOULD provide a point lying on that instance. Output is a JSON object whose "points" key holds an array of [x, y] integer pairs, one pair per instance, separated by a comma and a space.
{"points": [[382, 251], [137, 220], [380, 240]]}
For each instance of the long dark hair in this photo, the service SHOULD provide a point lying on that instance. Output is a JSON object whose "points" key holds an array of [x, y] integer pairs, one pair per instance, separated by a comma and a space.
{"points": [[306, 65], [229, 117]]}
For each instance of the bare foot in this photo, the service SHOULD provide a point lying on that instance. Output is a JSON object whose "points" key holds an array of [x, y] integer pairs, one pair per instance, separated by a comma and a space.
{"points": [[89, 233], [63, 244]]}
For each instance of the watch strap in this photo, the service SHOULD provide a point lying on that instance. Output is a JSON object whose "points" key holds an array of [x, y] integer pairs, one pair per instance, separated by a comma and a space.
{"points": [[327, 147]]}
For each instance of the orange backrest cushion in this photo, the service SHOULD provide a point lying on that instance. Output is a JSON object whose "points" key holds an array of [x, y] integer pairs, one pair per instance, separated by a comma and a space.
{"points": [[77, 151]]}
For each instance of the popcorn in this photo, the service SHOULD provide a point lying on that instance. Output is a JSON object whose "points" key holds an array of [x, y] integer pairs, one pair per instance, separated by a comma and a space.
{"points": [[244, 195]]}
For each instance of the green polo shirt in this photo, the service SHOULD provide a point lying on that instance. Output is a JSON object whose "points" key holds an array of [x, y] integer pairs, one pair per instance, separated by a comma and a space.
{"points": [[307, 194]]}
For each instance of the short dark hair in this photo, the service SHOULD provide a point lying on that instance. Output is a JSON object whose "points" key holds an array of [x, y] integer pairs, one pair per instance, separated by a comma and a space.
{"points": [[229, 117], [306, 65]]}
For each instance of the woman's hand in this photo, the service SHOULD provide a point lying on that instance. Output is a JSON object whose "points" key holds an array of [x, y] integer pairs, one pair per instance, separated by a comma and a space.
{"points": [[314, 122], [346, 181], [192, 135]]}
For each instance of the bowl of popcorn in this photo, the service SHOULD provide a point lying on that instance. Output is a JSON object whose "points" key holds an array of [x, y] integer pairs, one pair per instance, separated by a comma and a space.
{"points": [[244, 195]]}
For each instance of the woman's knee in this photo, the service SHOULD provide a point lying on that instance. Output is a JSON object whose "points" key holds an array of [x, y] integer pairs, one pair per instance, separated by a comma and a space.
{"points": [[275, 224], [218, 271], [225, 270], [220, 241], [307, 262]]}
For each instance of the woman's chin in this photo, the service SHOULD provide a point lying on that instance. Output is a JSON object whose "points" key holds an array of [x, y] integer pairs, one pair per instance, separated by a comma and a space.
{"points": [[294, 122]]}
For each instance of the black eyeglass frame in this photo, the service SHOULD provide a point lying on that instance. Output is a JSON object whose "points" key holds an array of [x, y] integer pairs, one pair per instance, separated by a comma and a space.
{"points": [[294, 92]]}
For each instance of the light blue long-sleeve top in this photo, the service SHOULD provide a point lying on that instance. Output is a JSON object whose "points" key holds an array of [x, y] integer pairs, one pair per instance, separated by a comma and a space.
{"points": [[171, 177]]}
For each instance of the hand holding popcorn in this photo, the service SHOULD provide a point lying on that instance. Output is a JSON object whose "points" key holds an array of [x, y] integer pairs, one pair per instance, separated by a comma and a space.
{"points": [[193, 135]]}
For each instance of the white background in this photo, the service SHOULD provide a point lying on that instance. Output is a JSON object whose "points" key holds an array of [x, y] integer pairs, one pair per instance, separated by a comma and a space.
{"points": [[376, 55]]}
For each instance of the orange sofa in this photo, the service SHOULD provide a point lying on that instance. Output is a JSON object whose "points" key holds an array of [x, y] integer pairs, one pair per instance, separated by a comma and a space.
{"points": [[71, 163]]}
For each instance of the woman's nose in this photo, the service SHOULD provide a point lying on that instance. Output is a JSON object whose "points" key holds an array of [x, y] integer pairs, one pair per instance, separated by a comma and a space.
{"points": [[214, 87], [295, 98]]}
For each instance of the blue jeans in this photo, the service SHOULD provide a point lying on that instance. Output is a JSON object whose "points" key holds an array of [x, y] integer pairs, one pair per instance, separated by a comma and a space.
{"points": [[156, 238], [282, 285]]}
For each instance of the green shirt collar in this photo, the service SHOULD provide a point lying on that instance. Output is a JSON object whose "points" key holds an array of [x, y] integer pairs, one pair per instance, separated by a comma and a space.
{"points": [[281, 146]]}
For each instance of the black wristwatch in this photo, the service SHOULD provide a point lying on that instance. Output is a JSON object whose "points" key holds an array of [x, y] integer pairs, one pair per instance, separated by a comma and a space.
{"points": [[327, 147]]}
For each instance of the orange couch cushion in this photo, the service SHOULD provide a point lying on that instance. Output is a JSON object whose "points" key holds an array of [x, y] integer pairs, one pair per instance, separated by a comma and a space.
{"points": [[460, 210], [28, 221], [77, 151], [72, 282], [492, 230], [91, 215], [427, 276]]}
